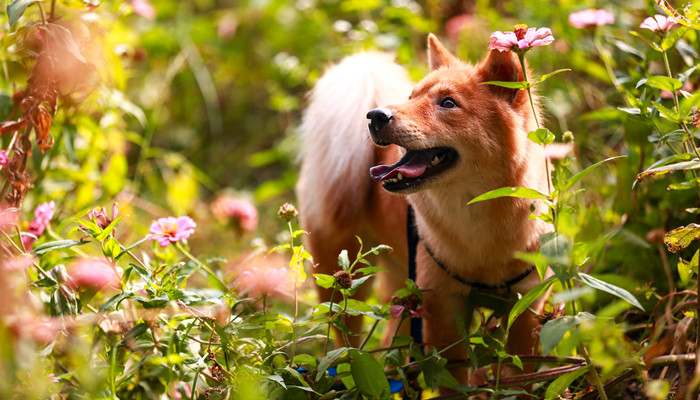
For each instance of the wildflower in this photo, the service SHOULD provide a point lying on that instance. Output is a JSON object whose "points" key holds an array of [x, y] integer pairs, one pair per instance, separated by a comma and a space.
{"points": [[4, 159], [99, 215], [521, 39], [42, 216], [238, 211], [144, 8], [19, 263], [343, 279], [695, 121], [557, 151], [658, 23], [409, 306], [265, 281], [169, 230], [94, 274], [287, 212], [590, 17], [8, 216]]}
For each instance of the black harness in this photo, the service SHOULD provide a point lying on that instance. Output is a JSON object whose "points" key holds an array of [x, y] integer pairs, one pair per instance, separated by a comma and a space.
{"points": [[413, 238]]}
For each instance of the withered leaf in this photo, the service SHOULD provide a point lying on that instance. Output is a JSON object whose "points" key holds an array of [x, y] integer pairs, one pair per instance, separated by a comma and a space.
{"points": [[681, 237], [41, 119], [12, 126], [60, 39], [681, 166]]}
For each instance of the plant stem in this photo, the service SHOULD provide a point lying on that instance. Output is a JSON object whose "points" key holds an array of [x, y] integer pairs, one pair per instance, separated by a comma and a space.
{"points": [[369, 334], [594, 372], [200, 265], [296, 297], [521, 57]]}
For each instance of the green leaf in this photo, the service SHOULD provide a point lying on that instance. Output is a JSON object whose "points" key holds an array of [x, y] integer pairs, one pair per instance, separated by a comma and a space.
{"points": [[433, 368], [612, 289], [664, 83], [681, 237], [554, 330], [535, 293], [324, 280], [63, 302], [541, 136], [56, 245], [114, 301], [559, 385], [556, 247], [329, 359], [510, 85], [673, 37], [574, 179], [667, 112], [522, 192], [551, 74], [16, 8], [111, 248], [368, 375], [681, 166], [686, 269], [356, 283], [106, 231]]}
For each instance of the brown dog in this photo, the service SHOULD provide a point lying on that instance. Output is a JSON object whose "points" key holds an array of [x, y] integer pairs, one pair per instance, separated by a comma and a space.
{"points": [[454, 138]]}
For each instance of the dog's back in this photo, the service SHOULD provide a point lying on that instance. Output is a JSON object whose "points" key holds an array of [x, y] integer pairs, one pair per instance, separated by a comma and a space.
{"points": [[334, 182], [338, 200]]}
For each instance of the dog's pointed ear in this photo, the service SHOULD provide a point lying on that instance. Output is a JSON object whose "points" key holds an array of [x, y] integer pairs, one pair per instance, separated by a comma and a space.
{"points": [[503, 66], [438, 55]]}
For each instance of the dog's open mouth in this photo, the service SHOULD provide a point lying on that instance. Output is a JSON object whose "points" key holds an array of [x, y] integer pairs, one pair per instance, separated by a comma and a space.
{"points": [[414, 168]]}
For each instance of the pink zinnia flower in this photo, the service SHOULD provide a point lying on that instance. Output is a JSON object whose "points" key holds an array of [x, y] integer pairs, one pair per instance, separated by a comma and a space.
{"points": [[521, 40], [94, 274], [144, 8], [266, 281], [238, 211], [4, 159], [397, 310], [658, 23], [590, 17], [42, 216], [169, 230]]}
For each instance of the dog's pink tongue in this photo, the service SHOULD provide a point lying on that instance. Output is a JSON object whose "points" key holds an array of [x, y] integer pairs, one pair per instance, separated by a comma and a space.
{"points": [[412, 165]]}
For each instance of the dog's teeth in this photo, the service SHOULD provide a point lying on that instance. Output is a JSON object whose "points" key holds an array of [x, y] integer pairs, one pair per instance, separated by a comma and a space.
{"points": [[399, 176], [436, 161]]}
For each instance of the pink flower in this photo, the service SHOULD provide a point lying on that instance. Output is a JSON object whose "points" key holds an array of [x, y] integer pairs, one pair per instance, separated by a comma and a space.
{"points": [[557, 151], [240, 212], [4, 159], [42, 216], [590, 17], [8, 216], [144, 8], [266, 281], [19, 263], [521, 40], [94, 274], [658, 23], [397, 310], [169, 230]]}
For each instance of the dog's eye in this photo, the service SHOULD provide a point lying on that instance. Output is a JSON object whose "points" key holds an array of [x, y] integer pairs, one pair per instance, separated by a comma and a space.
{"points": [[448, 102]]}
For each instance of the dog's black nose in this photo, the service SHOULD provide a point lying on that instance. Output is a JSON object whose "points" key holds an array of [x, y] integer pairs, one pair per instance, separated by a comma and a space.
{"points": [[378, 119]]}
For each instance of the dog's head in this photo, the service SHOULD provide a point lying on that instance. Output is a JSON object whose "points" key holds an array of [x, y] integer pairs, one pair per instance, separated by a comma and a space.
{"points": [[455, 127]]}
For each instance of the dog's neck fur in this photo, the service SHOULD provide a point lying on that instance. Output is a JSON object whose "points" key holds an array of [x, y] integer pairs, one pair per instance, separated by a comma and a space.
{"points": [[478, 241]]}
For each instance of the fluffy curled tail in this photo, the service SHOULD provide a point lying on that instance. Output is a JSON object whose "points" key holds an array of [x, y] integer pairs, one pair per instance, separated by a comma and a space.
{"points": [[336, 150]]}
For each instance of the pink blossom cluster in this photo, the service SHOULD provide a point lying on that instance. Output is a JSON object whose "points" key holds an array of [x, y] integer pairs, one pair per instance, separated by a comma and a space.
{"points": [[590, 17], [4, 159], [265, 281], [144, 8], [521, 39], [236, 210], [93, 274], [170, 230], [42, 216]]}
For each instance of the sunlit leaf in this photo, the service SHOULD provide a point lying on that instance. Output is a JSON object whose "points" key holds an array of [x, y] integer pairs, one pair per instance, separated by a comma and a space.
{"points": [[521, 192], [535, 293], [559, 385], [554, 330], [510, 85], [609, 288], [681, 237], [368, 375], [681, 166], [16, 8]]}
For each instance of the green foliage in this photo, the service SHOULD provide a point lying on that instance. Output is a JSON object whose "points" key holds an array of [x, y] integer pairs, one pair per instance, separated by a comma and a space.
{"points": [[179, 112]]}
